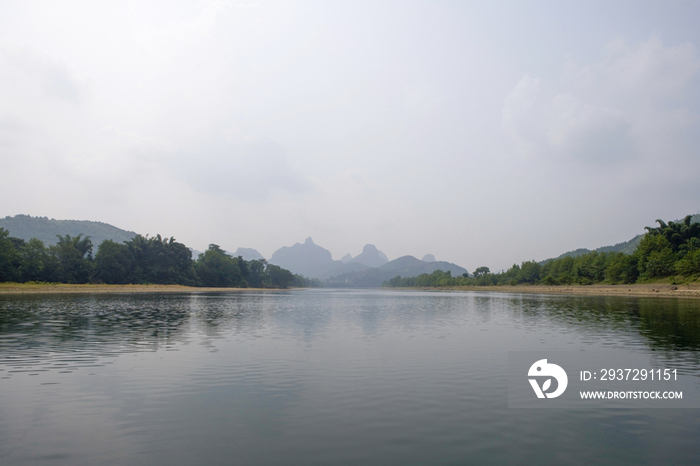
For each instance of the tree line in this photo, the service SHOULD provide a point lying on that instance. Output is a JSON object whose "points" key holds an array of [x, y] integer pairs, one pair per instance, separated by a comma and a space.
{"points": [[141, 260], [670, 250]]}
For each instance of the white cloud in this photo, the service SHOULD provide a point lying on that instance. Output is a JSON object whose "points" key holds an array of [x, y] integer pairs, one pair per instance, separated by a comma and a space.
{"points": [[244, 167], [624, 109], [588, 132], [42, 72], [524, 115], [650, 69]]}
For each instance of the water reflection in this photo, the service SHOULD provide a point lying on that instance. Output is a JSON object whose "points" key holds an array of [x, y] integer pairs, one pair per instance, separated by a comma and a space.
{"points": [[665, 324], [322, 377], [63, 332]]}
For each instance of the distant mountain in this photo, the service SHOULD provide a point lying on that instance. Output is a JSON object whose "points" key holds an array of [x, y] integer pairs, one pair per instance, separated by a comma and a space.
{"points": [[45, 229], [371, 257], [307, 259], [626, 247], [368, 269], [403, 263], [248, 254], [428, 258], [346, 258], [409, 266], [406, 266], [339, 269], [370, 278]]}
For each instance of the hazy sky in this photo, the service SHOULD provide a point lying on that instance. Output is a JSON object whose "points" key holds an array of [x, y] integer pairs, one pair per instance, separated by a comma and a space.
{"points": [[485, 133]]}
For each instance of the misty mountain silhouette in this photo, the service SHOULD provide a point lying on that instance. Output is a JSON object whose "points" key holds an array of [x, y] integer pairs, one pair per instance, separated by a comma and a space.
{"points": [[313, 261], [406, 266], [307, 259], [371, 256], [248, 254], [369, 268]]}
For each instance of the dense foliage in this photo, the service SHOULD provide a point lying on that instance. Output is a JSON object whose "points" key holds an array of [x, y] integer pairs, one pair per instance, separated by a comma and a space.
{"points": [[670, 250], [140, 260]]}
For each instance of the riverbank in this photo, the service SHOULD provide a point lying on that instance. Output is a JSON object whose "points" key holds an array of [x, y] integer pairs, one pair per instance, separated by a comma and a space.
{"points": [[647, 290], [49, 288]]}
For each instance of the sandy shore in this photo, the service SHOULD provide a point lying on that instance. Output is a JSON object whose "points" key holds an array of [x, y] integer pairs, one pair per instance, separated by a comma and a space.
{"points": [[647, 290], [24, 288]]}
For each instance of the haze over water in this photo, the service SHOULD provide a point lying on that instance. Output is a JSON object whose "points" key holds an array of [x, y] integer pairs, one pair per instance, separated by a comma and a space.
{"points": [[324, 377]]}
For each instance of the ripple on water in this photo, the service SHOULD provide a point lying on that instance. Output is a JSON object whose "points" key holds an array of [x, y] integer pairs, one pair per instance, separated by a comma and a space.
{"points": [[323, 377]]}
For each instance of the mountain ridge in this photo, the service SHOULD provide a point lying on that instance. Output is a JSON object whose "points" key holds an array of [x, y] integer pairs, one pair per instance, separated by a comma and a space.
{"points": [[27, 227], [404, 266], [307, 259], [370, 266], [626, 247]]}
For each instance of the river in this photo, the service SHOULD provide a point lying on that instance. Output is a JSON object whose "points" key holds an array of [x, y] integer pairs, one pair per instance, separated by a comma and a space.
{"points": [[326, 377]]}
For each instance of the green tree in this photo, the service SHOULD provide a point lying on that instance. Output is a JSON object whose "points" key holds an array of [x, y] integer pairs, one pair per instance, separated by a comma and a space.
{"points": [[114, 263], [256, 275], [676, 234], [279, 277], [622, 268], [36, 263], [215, 268], [590, 268], [9, 258], [74, 257], [689, 265], [550, 280], [691, 244], [529, 272], [655, 257], [162, 261]]}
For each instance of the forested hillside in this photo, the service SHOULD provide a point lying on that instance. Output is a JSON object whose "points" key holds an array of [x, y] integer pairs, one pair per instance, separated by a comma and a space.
{"points": [[669, 250], [27, 227], [627, 247]]}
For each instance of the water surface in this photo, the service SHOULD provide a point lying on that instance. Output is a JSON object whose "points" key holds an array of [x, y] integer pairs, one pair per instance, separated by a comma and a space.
{"points": [[324, 377]]}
